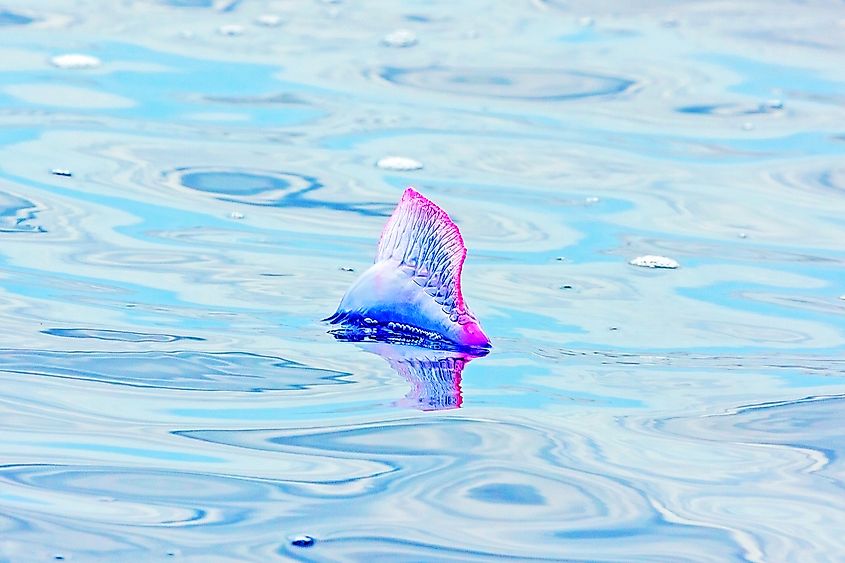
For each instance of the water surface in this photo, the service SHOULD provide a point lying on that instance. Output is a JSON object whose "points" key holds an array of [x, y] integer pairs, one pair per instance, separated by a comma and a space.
{"points": [[168, 391]]}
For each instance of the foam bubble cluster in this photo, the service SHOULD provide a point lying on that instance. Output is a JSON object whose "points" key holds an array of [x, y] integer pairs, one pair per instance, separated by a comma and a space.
{"points": [[650, 261], [75, 61]]}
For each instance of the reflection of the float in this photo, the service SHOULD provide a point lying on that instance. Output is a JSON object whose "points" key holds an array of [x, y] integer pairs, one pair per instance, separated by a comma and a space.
{"points": [[434, 375]]}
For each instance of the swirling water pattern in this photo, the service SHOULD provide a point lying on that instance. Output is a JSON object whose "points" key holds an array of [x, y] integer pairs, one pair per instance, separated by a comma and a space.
{"points": [[169, 393]]}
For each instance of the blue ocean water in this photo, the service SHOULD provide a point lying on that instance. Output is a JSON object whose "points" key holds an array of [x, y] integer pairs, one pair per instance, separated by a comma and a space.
{"points": [[177, 214]]}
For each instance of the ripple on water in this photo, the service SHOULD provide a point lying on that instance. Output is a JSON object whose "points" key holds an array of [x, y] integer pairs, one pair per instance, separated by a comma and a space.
{"points": [[784, 440], [267, 189], [117, 335], [283, 98], [253, 188], [828, 181], [16, 215], [734, 110], [125, 504], [189, 3], [821, 305], [8, 17], [186, 370], [499, 493], [809, 423], [453, 471], [519, 84], [819, 365], [724, 250], [128, 484]]}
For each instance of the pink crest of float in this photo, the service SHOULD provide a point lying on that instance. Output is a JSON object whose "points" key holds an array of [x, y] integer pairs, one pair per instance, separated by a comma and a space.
{"points": [[421, 236]]}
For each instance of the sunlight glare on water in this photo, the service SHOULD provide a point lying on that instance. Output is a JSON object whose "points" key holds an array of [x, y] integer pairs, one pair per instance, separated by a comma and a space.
{"points": [[188, 186]]}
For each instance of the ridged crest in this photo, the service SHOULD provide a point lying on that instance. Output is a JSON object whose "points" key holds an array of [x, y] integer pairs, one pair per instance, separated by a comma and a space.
{"points": [[422, 238]]}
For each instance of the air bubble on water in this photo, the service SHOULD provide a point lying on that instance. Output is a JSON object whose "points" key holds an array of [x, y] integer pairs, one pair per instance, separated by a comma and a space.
{"points": [[591, 200], [842, 297], [236, 215], [567, 286], [61, 172], [75, 61], [400, 38], [231, 29], [399, 163], [302, 540], [651, 261], [743, 235], [345, 269], [269, 20]]}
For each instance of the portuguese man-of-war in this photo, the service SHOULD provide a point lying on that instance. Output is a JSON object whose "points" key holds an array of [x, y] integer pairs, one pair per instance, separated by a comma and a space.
{"points": [[412, 293]]}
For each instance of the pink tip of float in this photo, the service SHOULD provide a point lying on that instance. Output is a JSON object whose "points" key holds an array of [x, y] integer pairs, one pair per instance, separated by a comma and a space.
{"points": [[473, 336]]}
